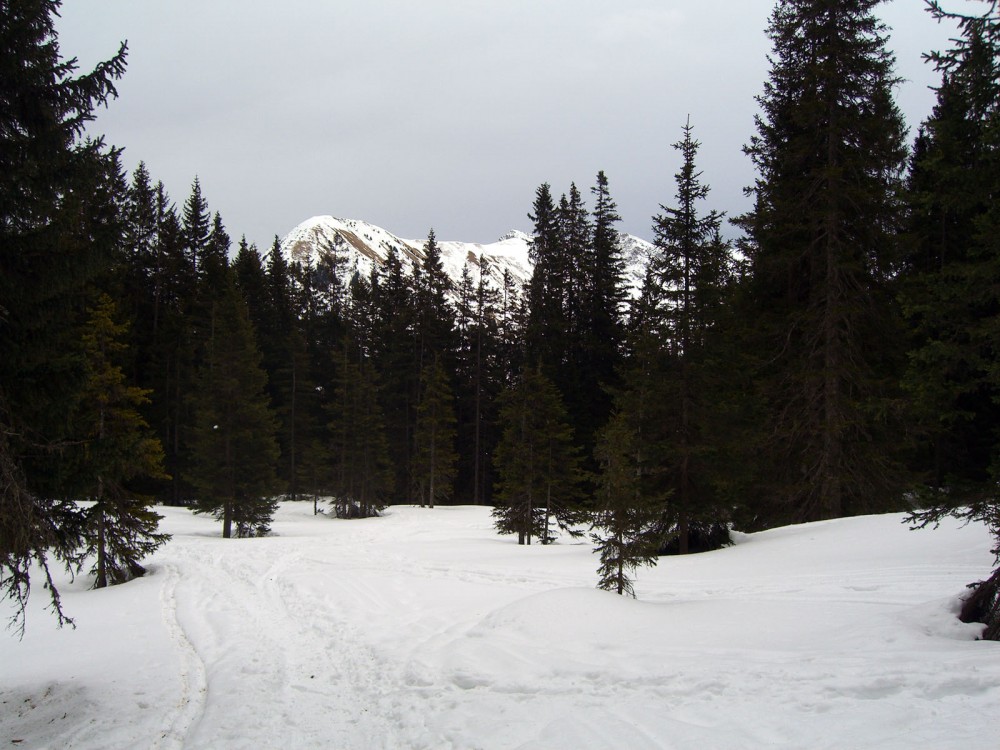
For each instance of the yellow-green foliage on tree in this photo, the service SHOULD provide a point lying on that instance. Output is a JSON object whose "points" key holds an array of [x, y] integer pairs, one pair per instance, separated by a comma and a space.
{"points": [[120, 528]]}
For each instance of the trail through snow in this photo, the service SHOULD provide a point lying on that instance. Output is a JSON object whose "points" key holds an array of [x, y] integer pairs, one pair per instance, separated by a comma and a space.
{"points": [[423, 629]]}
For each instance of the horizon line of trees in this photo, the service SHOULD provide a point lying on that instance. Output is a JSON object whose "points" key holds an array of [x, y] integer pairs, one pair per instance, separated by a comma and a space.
{"points": [[840, 359]]}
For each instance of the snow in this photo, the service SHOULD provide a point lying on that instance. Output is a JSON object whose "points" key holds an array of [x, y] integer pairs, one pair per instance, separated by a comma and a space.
{"points": [[424, 629], [365, 244]]}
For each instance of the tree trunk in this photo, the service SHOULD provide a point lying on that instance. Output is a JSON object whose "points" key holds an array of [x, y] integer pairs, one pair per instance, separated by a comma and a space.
{"points": [[430, 496], [102, 553]]}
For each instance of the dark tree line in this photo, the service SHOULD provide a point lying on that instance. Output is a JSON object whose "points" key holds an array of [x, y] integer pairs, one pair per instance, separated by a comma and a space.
{"points": [[840, 359]]}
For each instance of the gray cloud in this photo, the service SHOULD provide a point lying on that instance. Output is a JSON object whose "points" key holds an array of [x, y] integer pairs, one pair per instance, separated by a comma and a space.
{"points": [[441, 113]]}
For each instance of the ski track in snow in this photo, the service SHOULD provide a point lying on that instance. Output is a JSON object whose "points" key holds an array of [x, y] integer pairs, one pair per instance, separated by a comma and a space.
{"points": [[190, 705], [260, 632]]}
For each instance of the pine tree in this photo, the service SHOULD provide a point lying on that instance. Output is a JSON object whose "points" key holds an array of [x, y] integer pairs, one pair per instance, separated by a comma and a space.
{"points": [[435, 315], [434, 453], [605, 298], [58, 231], [949, 278], [546, 324], [121, 526], [487, 381], [628, 517], [829, 152], [951, 293], [689, 276], [215, 257], [540, 471], [233, 443], [172, 353], [362, 474], [251, 278], [197, 226], [395, 349]]}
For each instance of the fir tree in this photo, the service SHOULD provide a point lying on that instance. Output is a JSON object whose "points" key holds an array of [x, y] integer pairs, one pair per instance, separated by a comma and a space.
{"points": [[362, 473], [689, 275], [435, 315], [215, 257], [488, 379], [197, 226], [121, 527], [540, 471], [58, 231], [546, 324], [434, 453], [605, 299], [628, 518], [234, 447], [951, 294], [949, 279], [394, 343], [829, 152]]}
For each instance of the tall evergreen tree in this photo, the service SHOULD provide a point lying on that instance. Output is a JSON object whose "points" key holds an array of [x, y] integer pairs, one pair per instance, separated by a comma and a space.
{"points": [[434, 453], [605, 295], [394, 345], [120, 525], [173, 348], [435, 315], [362, 474], [539, 467], [197, 225], [215, 257], [58, 230], [487, 381], [951, 291], [628, 518], [829, 152], [949, 279], [689, 275], [546, 325], [233, 443]]}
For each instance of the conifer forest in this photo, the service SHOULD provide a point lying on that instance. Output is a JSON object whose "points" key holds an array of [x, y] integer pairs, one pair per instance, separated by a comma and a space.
{"points": [[832, 352]]}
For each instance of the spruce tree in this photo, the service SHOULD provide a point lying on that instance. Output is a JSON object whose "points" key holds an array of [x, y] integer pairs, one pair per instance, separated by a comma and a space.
{"points": [[688, 280], [949, 277], [233, 442], [58, 231], [603, 330], [215, 257], [628, 519], [362, 479], [546, 325], [434, 452], [395, 348], [829, 152], [197, 226], [120, 525], [173, 348], [539, 467], [488, 378], [435, 315], [951, 296]]}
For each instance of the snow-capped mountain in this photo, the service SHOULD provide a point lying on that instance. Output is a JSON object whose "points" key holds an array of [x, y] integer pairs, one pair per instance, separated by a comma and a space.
{"points": [[366, 244]]}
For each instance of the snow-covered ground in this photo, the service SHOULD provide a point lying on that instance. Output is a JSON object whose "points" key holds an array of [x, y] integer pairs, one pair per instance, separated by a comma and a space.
{"points": [[423, 629]]}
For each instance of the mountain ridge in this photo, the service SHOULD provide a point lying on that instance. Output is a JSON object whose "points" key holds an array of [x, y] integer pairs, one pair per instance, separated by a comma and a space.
{"points": [[366, 244]]}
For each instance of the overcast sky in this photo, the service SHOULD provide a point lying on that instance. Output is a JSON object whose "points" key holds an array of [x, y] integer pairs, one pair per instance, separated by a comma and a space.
{"points": [[441, 113]]}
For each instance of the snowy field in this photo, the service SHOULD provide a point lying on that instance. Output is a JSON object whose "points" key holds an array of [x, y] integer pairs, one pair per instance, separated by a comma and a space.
{"points": [[423, 629]]}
